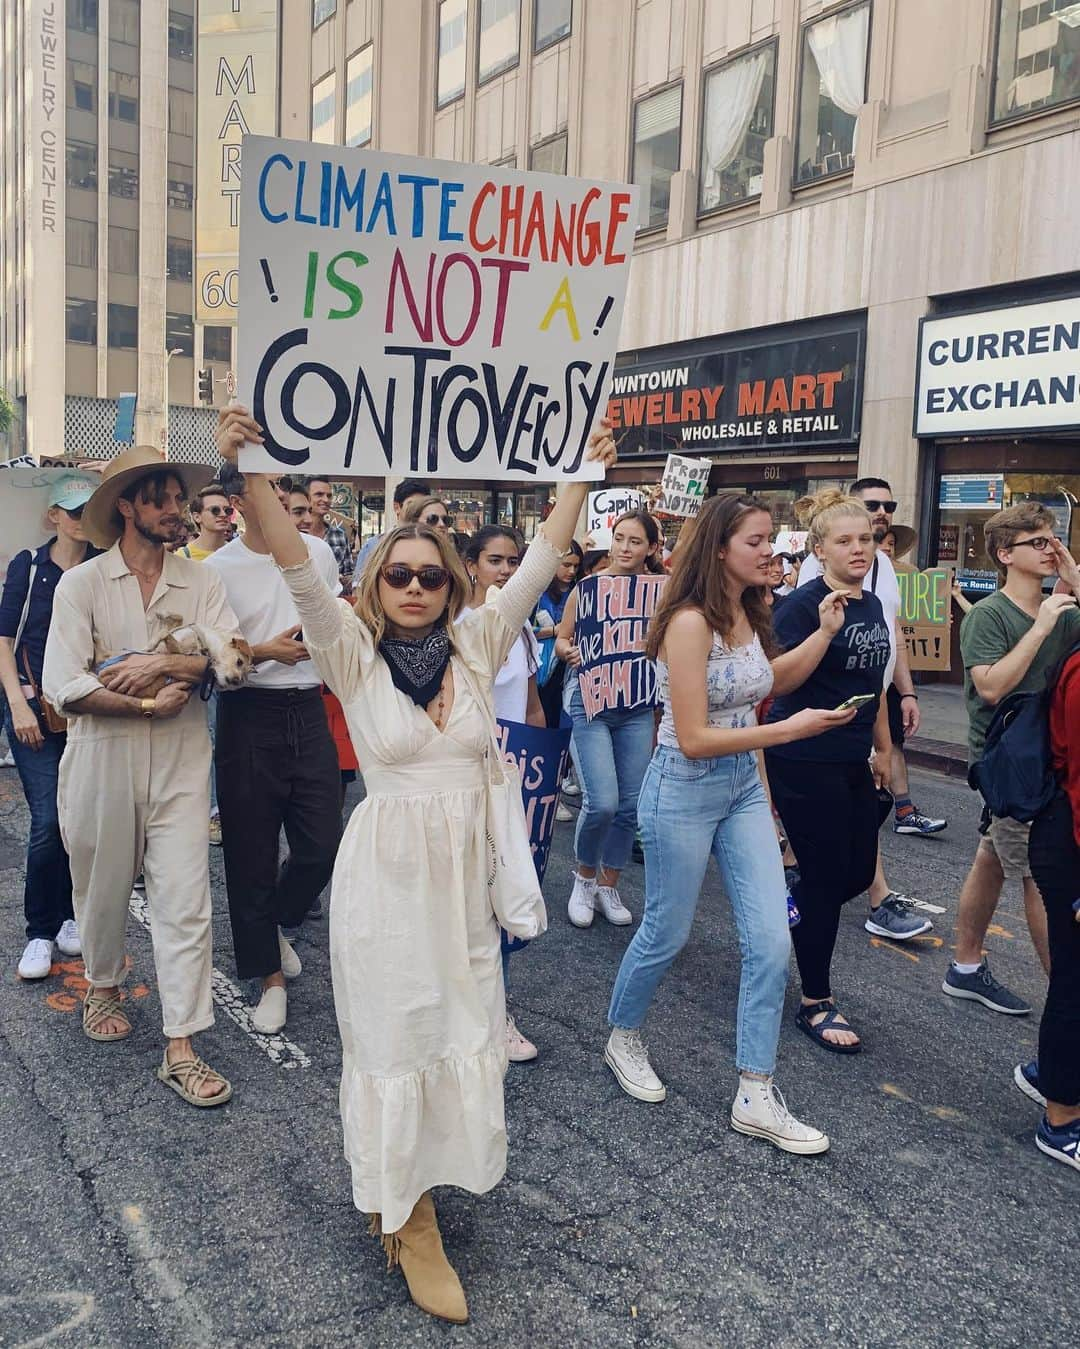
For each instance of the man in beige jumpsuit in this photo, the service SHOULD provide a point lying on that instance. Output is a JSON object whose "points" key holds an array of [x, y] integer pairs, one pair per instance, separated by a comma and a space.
{"points": [[134, 780]]}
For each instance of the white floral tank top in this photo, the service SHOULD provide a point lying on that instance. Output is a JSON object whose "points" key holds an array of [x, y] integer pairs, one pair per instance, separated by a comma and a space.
{"points": [[736, 678]]}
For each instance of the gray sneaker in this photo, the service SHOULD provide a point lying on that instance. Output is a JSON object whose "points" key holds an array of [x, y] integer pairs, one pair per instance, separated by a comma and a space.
{"points": [[981, 986], [894, 918]]}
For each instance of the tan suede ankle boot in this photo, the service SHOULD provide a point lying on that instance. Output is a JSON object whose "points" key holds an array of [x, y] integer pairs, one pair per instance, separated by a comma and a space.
{"points": [[417, 1248]]}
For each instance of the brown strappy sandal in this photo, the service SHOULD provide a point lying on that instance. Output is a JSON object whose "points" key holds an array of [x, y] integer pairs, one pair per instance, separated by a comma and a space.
{"points": [[101, 1007], [186, 1076]]}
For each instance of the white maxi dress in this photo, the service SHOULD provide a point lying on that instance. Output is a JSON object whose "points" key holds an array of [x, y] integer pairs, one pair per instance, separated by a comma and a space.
{"points": [[414, 943]]}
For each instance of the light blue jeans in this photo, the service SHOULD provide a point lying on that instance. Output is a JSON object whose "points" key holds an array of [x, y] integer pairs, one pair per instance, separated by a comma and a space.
{"points": [[690, 808], [611, 754]]}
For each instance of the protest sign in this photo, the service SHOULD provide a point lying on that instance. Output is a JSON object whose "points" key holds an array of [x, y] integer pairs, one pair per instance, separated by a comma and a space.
{"points": [[684, 485], [412, 316], [925, 615], [540, 757], [606, 505], [613, 615]]}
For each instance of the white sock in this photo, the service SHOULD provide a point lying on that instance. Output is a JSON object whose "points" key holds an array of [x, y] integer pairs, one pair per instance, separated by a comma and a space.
{"points": [[965, 968]]}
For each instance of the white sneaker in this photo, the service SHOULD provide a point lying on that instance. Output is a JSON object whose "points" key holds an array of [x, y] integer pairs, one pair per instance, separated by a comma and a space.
{"points": [[36, 960], [760, 1110], [518, 1049], [570, 788], [67, 939], [612, 907], [628, 1059], [8, 761], [269, 1016], [563, 814], [582, 904], [290, 961]]}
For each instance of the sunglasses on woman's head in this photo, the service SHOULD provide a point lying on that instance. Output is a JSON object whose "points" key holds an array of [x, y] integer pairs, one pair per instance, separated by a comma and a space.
{"points": [[220, 510], [398, 576]]}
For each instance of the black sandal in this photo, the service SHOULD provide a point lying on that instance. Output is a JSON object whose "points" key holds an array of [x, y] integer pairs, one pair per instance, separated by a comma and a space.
{"points": [[830, 1021]]}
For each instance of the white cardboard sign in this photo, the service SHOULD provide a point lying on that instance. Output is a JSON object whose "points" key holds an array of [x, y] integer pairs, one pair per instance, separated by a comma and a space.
{"points": [[606, 505], [419, 317], [684, 485]]}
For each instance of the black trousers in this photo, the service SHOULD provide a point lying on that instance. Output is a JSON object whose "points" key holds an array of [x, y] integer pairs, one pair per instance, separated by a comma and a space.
{"points": [[551, 696], [1055, 866], [830, 814], [276, 766]]}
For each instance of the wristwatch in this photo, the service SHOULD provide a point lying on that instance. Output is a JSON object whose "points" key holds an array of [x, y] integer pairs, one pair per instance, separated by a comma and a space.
{"points": [[146, 707]]}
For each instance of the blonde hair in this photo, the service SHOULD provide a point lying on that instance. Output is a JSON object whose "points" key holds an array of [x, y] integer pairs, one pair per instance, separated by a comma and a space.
{"points": [[415, 510], [368, 605], [819, 512]]}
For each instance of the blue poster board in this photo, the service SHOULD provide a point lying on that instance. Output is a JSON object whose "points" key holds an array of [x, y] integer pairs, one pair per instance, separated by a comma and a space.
{"points": [[612, 620], [540, 757]]}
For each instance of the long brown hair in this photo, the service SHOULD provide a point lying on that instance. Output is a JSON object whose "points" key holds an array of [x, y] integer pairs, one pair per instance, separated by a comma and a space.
{"points": [[654, 563], [698, 578], [368, 606]]}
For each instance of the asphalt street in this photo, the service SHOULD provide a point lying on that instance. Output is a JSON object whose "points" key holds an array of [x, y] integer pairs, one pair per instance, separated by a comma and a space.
{"points": [[130, 1219]]}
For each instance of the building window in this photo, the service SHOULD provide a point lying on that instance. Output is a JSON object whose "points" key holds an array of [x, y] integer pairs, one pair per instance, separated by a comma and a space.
{"points": [[81, 321], [551, 22], [181, 36], [123, 326], [123, 174], [452, 25], [500, 37], [1037, 64], [181, 112], [359, 72], [82, 15], [81, 86], [124, 21], [321, 10], [323, 99], [178, 259], [82, 165], [123, 251], [737, 121], [80, 240], [179, 186], [217, 344], [833, 89], [179, 334], [657, 128], [549, 156], [123, 96]]}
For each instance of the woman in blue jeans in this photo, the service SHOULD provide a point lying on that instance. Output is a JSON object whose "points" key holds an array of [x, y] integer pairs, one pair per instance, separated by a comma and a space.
{"points": [[712, 639], [611, 752]]}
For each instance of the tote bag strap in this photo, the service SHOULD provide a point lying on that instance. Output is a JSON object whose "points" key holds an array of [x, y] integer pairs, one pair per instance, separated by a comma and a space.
{"points": [[25, 608]]}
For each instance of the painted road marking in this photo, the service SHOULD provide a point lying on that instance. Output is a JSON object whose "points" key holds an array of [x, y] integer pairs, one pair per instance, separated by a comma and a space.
{"points": [[278, 1048], [196, 1328], [79, 1306]]}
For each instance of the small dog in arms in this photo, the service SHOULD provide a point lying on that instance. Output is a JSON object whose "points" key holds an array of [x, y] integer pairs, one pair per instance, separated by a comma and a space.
{"points": [[230, 659]]}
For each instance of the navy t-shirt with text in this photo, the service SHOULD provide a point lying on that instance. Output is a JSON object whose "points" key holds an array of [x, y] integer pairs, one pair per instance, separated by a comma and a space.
{"points": [[854, 663]]}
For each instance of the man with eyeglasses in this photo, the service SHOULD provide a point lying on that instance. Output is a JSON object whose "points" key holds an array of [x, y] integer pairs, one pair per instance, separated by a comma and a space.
{"points": [[321, 496], [212, 515], [1010, 641]]}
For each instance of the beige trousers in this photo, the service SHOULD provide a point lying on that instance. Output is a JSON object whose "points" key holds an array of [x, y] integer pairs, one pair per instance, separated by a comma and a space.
{"points": [[134, 796]]}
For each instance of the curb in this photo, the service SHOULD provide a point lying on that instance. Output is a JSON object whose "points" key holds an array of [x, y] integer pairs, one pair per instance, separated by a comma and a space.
{"points": [[940, 756]]}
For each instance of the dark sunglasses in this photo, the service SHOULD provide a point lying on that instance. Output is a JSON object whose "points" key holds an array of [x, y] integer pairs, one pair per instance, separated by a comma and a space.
{"points": [[436, 519], [75, 513], [1041, 544], [889, 507], [220, 510], [398, 576]]}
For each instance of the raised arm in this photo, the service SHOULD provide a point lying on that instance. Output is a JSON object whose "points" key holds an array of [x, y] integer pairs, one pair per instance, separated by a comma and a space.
{"points": [[236, 426]]}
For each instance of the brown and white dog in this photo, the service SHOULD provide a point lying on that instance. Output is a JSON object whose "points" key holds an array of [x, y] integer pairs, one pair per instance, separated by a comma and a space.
{"points": [[230, 658]]}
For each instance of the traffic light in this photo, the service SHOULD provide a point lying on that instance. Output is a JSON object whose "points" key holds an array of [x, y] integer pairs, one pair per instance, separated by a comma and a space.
{"points": [[206, 386]]}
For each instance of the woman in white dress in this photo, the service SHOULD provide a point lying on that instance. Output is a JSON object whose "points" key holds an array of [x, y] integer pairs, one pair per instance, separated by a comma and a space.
{"points": [[414, 942]]}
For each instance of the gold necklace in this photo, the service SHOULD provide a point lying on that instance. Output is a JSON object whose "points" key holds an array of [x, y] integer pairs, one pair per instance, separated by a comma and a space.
{"points": [[438, 717]]}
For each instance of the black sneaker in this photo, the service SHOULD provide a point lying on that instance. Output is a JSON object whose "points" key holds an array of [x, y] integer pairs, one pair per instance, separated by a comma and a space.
{"points": [[981, 986], [1026, 1077], [316, 910]]}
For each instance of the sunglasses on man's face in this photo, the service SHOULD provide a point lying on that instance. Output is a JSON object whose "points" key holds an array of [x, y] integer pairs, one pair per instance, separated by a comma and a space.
{"points": [[397, 576], [889, 507], [220, 510]]}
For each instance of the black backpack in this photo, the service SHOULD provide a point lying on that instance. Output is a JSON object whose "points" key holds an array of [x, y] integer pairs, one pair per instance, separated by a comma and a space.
{"points": [[1015, 775]]}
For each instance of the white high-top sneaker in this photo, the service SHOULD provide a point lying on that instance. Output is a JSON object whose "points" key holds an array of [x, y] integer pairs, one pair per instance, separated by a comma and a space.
{"points": [[611, 906], [582, 904], [760, 1110], [628, 1059]]}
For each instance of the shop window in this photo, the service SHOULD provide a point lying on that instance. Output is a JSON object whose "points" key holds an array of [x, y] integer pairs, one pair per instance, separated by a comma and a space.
{"points": [[123, 251], [80, 242], [1037, 62], [124, 22], [737, 121], [81, 321], [321, 10], [181, 112], [179, 186], [178, 259], [453, 18], [81, 86], [123, 174], [323, 100], [82, 165], [500, 37], [549, 156], [657, 128], [181, 36], [179, 334], [82, 15], [359, 77], [832, 90], [217, 344], [123, 326], [123, 96], [551, 22]]}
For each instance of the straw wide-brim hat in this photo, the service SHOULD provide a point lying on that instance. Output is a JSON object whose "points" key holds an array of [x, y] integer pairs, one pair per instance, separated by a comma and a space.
{"points": [[101, 520], [905, 538]]}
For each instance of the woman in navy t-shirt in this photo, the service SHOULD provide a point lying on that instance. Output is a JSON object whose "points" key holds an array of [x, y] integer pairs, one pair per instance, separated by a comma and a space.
{"points": [[826, 788]]}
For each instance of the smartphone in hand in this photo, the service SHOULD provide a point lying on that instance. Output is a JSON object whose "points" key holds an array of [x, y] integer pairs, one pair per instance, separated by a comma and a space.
{"points": [[858, 700]]}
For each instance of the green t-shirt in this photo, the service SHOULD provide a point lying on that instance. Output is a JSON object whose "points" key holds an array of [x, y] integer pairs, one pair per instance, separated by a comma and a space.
{"points": [[990, 631]]}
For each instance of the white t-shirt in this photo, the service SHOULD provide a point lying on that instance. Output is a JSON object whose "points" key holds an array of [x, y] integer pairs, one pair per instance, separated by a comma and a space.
{"points": [[885, 588], [512, 681], [261, 601]]}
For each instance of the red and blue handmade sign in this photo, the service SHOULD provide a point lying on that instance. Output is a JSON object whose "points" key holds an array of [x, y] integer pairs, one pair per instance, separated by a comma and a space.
{"points": [[541, 757], [612, 620]]}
